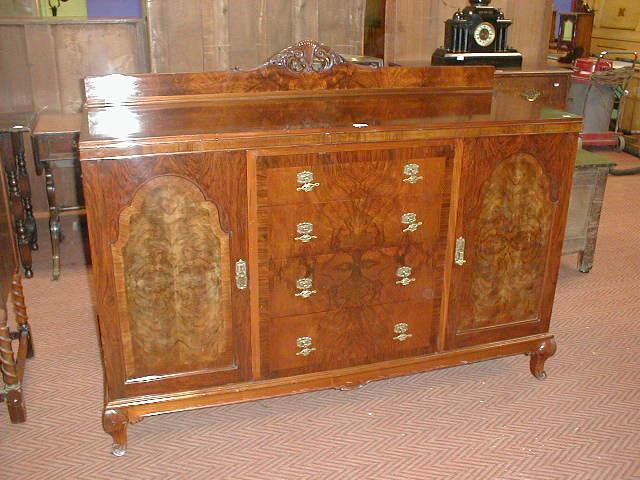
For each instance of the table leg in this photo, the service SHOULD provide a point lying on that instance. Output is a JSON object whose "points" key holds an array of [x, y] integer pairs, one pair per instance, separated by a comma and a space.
{"points": [[22, 233], [54, 220], [12, 391], [17, 140], [585, 258]]}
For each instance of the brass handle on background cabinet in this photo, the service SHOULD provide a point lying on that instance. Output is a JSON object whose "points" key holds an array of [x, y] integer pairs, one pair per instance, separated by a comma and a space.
{"points": [[242, 278], [459, 254], [411, 221], [305, 344], [404, 274], [412, 172], [305, 230], [531, 95], [305, 285], [402, 332], [305, 180]]}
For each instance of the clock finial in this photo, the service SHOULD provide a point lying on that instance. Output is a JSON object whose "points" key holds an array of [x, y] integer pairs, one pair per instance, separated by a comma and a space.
{"points": [[475, 3]]}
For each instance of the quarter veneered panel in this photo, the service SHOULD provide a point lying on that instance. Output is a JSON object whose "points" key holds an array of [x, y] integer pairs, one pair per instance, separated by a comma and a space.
{"points": [[351, 225], [346, 280], [348, 337], [171, 264]]}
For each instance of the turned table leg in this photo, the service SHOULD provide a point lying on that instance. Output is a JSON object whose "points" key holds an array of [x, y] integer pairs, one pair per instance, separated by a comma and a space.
{"points": [[12, 391], [115, 423], [55, 229], [20, 309], [22, 232], [540, 355], [17, 140]]}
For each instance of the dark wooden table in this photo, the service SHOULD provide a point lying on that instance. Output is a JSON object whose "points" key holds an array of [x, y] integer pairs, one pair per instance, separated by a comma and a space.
{"points": [[55, 145], [12, 365], [585, 206], [13, 126]]}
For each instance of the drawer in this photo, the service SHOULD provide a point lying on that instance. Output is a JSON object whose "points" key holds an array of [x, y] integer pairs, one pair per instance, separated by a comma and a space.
{"points": [[323, 176], [549, 90], [356, 336], [303, 285], [58, 145], [320, 228]]}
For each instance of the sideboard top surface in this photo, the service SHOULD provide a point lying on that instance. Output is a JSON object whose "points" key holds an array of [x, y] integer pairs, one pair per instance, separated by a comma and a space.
{"points": [[363, 113]]}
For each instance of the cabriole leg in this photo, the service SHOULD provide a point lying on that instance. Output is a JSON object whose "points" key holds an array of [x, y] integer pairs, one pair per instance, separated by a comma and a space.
{"points": [[115, 423], [540, 355]]}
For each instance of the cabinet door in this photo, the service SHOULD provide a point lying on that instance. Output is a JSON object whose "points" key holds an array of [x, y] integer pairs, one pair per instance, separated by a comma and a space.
{"points": [[511, 214], [166, 234]]}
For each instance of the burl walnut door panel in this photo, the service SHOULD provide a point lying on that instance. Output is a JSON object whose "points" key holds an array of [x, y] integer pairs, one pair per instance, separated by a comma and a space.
{"points": [[512, 215], [176, 227]]}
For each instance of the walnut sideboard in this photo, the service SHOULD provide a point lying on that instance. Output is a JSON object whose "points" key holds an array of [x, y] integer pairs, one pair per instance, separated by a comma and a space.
{"points": [[315, 224]]}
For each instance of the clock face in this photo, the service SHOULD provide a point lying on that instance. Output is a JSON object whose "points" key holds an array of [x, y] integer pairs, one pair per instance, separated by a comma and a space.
{"points": [[484, 34]]}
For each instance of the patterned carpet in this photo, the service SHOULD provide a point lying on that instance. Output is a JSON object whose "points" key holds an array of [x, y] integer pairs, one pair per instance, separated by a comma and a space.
{"points": [[484, 421]]}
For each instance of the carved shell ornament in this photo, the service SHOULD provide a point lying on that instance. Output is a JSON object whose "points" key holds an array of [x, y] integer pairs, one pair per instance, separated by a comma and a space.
{"points": [[305, 57]]}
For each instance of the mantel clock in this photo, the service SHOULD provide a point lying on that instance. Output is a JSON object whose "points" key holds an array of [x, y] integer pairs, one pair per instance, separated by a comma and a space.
{"points": [[477, 35]]}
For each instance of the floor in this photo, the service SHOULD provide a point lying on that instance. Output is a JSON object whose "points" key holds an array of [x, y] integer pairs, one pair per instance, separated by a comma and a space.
{"points": [[490, 420]]}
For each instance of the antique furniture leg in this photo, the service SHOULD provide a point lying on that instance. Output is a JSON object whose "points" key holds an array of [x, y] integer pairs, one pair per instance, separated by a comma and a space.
{"points": [[22, 318], [17, 139], [22, 234], [12, 390], [115, 423], [54, 220], [585, 257], [544, 351]]}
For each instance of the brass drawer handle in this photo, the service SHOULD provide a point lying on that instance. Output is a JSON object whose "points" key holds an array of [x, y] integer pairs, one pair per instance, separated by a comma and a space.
{"points": [[305, 285], [305, 344], [404, 274], [410, 219], [531, 95], [305, 180], [412, 172], [305, 230], [402, 331]]}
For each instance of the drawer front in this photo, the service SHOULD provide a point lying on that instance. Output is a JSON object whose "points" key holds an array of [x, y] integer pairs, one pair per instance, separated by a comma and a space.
{"points": [[348, 337], [550, 90], [321, 228], [59, 145], [329, 282], [324, 176]]}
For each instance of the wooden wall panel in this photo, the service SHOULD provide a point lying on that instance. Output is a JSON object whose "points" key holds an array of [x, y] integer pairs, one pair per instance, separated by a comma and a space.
{"points": [[416, 29], [15, 92], [46, 60], [18, 8], [220, 34]]}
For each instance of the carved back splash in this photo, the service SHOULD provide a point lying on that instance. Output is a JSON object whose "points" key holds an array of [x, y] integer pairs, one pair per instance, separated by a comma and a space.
{"points": [[172, 272], [306, 56]]}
